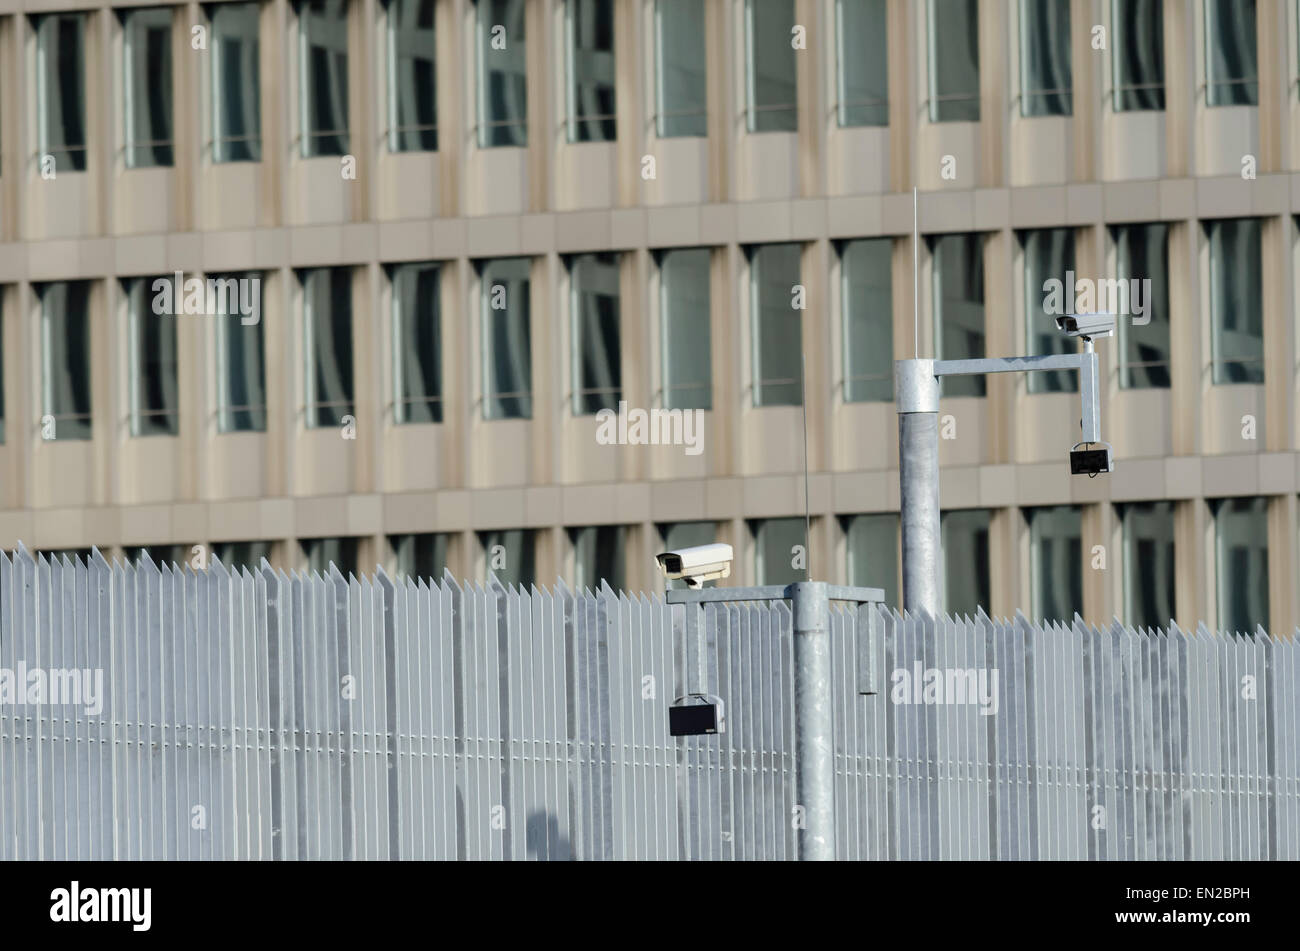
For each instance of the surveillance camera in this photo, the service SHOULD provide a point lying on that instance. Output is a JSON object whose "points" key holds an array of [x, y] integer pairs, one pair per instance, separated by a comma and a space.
{"points": [[696, 565], [697, 714], [1086, 325], [1091, 461]]}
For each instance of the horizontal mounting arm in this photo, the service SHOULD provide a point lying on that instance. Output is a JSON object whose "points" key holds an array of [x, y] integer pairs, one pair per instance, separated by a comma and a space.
{"points": [[1055, 361], [1085, 363], [771, 592]]}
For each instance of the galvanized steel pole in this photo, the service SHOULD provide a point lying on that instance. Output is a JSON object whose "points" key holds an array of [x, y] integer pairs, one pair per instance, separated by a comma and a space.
{"points": [[916, 392], [814, 741]]}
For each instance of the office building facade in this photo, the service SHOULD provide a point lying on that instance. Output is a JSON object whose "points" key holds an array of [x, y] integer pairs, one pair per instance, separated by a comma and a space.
{"points": [[530, 286]]}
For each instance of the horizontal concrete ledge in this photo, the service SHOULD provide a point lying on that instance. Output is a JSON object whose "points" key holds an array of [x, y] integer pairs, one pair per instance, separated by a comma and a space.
{"points": [[613, 229], [720, 498]]}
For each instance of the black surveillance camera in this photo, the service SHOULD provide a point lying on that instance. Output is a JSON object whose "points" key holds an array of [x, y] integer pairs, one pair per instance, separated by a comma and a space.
{"points": [[696, 714], [1091, 462]]}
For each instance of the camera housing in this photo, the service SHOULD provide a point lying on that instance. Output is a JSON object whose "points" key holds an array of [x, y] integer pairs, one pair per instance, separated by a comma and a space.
{"points": [[1091, 460], [697, 714], [698, 564], [1086, 325]]}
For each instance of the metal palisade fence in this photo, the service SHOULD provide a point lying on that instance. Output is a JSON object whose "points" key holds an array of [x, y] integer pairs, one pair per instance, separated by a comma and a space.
{"points": [[275, 716]]}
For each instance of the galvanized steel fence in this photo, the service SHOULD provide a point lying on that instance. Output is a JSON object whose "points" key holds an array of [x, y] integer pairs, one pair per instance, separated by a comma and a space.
{"points": [[274, 716]]}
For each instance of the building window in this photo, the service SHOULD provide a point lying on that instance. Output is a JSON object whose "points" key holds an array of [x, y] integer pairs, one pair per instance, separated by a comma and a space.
{"points": [[1241, 563], [964, 535], [175, 557], [1049, 254], [1139, 60], [327, 343], [1056, 562], [417, 343], [868, 320], [684, 319], [1148, 529], [862, 60], [770, 66], [871, 543], [61, 89], [958, 292], [323, 552], [593, 303], [1045, 74], [598, 555], [65, 359], [420, 556], [775, 324], [507, 347], [680, 69], [502, 73], [779, 545], [152, 350], [511, 555], [589, 48], [677, 535], [1236, 301], [323, 76], [147, 86], [412, 77], [954, 54], [245, 555], [1142, 254], [236, 83], [241, 353], [1231, 72]]}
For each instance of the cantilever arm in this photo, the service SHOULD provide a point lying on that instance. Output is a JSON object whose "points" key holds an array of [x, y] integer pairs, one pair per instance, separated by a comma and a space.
{"points": [[1085, 363]]}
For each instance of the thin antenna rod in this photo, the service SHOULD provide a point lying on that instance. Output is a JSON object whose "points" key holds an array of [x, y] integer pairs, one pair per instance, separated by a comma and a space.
{"points": [[916, 276], [807, 507]]}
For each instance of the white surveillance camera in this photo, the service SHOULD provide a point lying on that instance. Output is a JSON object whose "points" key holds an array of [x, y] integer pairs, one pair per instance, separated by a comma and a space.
{"points": [[1086, 325], [696, 565]]}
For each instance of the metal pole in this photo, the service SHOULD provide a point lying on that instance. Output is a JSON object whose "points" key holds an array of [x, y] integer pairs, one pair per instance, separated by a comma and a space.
{"points": [[916, 392], [814, 742], [695, 641], [1090, 418]]}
